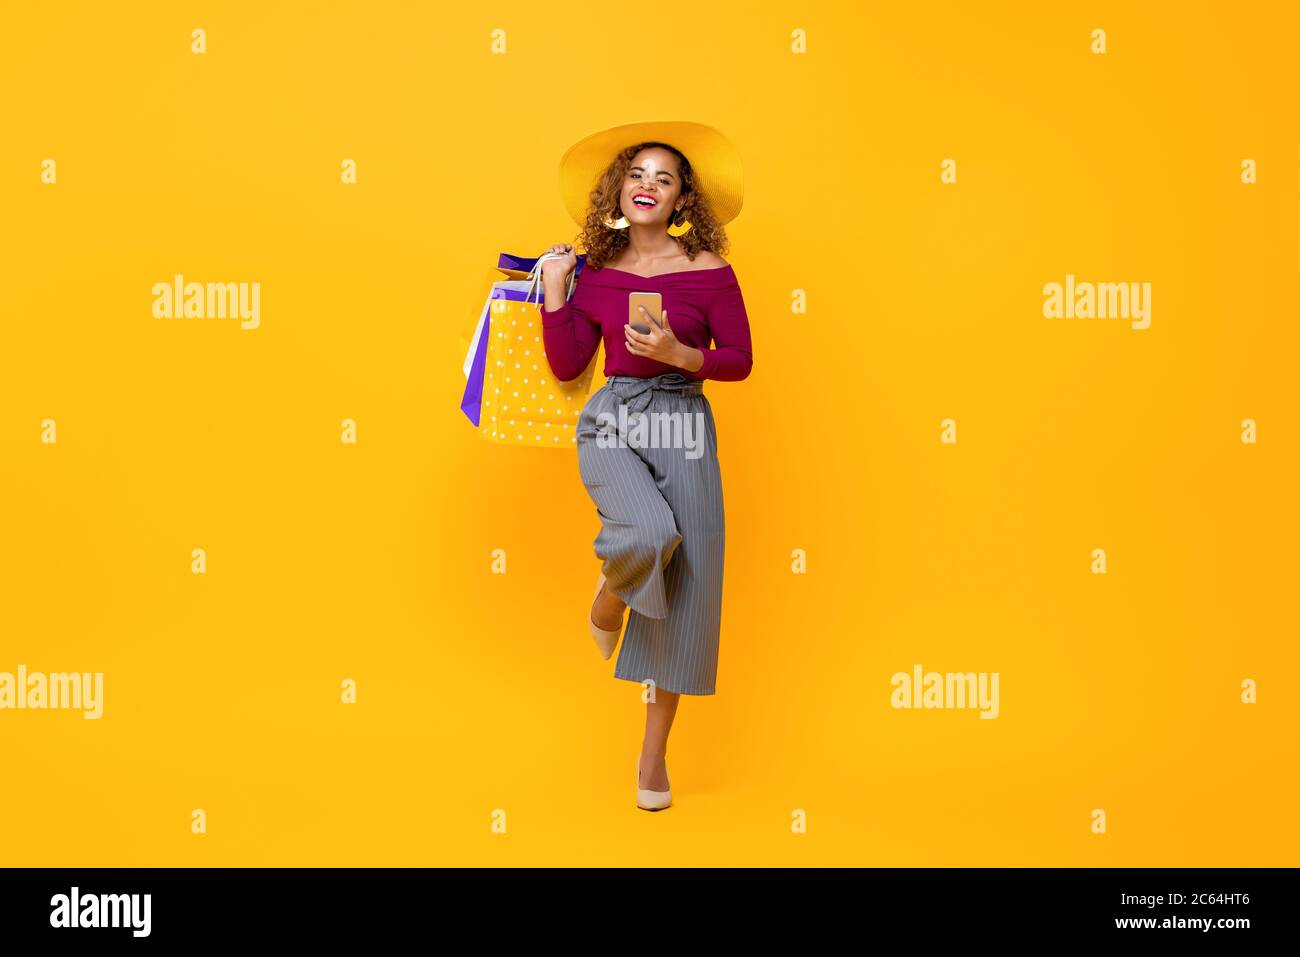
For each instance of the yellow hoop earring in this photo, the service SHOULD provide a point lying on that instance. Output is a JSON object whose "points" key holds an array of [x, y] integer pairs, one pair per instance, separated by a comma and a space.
{"points": [[622, 222], [675, 227]]}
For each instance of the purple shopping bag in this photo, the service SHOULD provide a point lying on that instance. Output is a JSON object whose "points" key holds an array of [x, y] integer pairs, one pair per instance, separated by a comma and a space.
{"points": [[518, 267]]}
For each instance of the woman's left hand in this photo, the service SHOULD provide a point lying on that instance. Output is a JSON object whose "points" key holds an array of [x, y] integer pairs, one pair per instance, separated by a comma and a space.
{"points": [[659, 343]]}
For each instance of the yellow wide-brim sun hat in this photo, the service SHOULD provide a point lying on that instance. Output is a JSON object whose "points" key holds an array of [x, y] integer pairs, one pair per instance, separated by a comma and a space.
{"points": [[713, 157]]}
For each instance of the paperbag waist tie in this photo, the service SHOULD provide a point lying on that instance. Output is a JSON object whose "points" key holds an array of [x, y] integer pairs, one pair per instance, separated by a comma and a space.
{"points": [[637, 392]]}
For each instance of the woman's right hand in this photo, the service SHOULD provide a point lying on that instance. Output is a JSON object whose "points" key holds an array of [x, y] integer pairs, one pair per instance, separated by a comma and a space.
{"points": [[560, 268]]}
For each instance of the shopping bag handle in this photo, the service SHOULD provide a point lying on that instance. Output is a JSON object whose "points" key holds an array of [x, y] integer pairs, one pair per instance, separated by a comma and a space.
{"points": [[535, 278]]}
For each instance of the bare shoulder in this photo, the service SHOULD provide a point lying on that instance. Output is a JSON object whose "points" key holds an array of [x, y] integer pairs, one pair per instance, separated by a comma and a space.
{"points": [[705, 259]]}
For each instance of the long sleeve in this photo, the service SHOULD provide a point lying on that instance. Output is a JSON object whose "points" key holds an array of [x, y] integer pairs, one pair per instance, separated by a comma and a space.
{"points": [[571, 336], [733, 357]]}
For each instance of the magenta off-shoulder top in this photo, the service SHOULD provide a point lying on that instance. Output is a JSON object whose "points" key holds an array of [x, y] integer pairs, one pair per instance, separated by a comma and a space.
{"points": [[703, 305]]}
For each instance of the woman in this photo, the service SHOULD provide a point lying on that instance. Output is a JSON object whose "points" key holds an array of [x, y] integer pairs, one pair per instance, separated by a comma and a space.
{"points": [[650, 225]]}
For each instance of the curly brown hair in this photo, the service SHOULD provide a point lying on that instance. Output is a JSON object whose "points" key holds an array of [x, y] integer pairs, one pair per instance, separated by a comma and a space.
{"points": [[601, 243]]}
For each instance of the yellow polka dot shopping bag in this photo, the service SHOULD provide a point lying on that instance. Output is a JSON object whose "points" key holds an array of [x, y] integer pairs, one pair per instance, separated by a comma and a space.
{"points": [[511, 395]]}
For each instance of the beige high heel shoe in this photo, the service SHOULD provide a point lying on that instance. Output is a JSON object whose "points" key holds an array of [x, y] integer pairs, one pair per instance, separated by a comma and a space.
{"points": [[606, 641], [648, 800]]}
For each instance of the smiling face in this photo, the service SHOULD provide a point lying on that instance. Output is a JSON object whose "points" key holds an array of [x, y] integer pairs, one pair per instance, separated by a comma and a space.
{"points": [[652, 187]]}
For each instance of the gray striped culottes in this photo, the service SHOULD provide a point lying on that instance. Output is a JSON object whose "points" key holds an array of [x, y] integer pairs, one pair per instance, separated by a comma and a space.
{"points": [[658, 492]]}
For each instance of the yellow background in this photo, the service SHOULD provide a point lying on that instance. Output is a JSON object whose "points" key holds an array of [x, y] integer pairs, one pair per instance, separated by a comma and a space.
{"points": [[373, 562]]}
